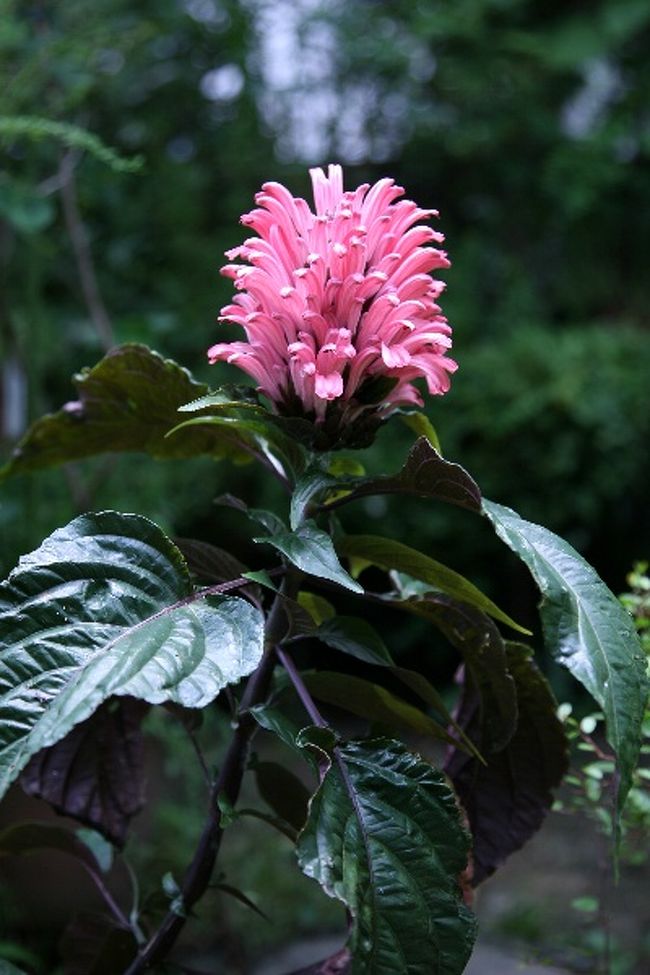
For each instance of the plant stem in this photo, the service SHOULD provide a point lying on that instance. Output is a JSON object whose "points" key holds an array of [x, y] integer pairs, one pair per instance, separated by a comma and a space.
{"points": [[227, 784], [301, 689], [82, 253], [112, 905]]}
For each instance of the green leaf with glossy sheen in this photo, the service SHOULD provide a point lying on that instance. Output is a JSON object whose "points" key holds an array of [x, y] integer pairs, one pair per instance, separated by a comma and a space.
{"points": [[384, 837], [586, 629], [311, 550], [313, 483], [391, 555], [106, 607]]}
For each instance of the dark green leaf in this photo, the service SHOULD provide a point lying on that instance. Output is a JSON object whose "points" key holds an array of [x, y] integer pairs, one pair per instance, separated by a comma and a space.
{"points": [[94, 944], [507, 799], [311, 551], [268, 519], [384, 836], [372, 702], [319, 608], [356, 637], [273, 720], [240, 896], [586, 629], [480, 643], [391, 555], [127, 402], [283, 792], [208, 562], [29, 837], [425, 474], [300, 621], [105, 607], [248, 428], [7, 968]]}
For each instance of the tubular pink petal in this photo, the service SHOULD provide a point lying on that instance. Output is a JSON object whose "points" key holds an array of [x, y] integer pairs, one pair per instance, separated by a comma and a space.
{"points": [[330, 386]]}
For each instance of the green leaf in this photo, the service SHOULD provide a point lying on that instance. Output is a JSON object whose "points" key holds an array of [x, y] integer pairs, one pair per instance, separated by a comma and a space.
{"points": [[384, 837], [357, 637], [283, 792], [248, 427], [7, 968], [374, 703], [268, 519], [422, 425], [30, 837], [586, 629], [391, 555], [238, 408], [311, 551], [319, 608], [37, 128], [105, 607], [101, 849], [273, 720], [127, 402], [478, 639], [425, 474], [313, 483]]}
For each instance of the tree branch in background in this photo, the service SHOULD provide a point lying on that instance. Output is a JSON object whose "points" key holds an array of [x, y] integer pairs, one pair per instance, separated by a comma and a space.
{"points": [[81, 248]]}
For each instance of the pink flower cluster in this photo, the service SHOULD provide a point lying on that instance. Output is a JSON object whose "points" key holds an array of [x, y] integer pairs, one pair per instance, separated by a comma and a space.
{"points": [[332, 299]]}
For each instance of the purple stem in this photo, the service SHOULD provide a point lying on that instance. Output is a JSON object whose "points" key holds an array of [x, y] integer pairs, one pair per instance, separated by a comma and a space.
{"points": [[301, 689]]}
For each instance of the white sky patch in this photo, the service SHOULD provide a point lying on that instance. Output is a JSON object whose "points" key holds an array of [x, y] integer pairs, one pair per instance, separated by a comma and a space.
{"points": [[602, 86], [207, 12], [305, 105], [222, 84]]}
